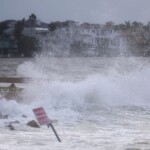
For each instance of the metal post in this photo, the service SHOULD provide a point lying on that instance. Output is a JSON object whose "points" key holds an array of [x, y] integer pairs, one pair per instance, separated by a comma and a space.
{"points": [[50, 124]]}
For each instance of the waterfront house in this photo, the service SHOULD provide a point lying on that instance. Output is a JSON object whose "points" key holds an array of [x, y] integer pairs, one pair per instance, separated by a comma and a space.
{"points": [[8, 47]]}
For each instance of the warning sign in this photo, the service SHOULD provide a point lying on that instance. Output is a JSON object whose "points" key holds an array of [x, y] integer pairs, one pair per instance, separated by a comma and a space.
{"points": [[41, 116]]}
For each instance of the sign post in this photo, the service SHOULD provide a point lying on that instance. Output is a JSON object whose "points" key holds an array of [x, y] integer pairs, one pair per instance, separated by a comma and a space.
{"points": [[42, 119], [50, 124]]}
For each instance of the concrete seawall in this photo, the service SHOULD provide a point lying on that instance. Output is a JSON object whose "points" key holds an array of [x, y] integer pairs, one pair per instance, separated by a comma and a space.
{"points": [[14, 80]]}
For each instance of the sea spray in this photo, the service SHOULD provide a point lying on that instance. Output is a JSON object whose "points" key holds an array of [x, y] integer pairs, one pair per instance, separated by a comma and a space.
{"points": [[86, 85], [10, 108], [29, 69], [91, 94]]}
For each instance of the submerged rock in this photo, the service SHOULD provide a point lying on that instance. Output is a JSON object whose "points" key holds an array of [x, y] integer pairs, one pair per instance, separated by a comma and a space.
{"points": [[11, 127], [24, 116], [14, 122], [33, 124]]}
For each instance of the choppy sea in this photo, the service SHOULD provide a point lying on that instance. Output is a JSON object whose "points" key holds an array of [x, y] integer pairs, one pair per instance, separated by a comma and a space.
{"points": [[99, 103]]}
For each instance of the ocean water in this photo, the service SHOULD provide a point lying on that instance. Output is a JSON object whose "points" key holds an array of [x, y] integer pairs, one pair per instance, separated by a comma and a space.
{"points": [[99, 103]]}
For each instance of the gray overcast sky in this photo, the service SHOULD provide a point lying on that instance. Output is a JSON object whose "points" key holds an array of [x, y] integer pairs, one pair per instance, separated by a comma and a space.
{"points": [[92, 11]]}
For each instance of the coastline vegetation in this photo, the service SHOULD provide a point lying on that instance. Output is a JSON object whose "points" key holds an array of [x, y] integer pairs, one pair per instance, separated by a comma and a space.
{"points": [[18, 38]]}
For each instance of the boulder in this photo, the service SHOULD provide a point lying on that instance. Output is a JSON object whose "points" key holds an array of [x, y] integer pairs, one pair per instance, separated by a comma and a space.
{"points": [[33, 124], [11, 127]]}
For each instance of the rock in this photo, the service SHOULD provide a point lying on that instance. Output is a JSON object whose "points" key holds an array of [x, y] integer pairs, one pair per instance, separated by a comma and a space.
{"points": [[11, 127], [3, 116], [10, 124], [16, 122], [24, 116], [33, 124]]}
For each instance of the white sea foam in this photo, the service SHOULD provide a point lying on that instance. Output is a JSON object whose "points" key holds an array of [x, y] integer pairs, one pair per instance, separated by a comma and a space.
{"points": [[99, 104], [91, 93]]}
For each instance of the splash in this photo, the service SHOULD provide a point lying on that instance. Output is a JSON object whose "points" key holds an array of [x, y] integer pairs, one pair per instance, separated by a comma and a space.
{"points": [[119, 80], [96, 86]]}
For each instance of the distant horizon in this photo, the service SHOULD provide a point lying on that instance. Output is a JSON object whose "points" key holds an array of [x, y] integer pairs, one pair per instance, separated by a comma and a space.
{"points": [[94, 12]]}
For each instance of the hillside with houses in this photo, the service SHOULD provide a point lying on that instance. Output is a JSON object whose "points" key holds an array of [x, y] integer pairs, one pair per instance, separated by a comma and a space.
{"points": [[24, 38]]}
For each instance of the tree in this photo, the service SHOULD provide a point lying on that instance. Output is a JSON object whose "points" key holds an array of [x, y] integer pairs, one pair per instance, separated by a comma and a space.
{"points": [[3, 27], [148, 26], [19, 26], [127, 25], [28, 45], [136, 25], [32, 20], [120, 27], [52, 26], [109, 24]]}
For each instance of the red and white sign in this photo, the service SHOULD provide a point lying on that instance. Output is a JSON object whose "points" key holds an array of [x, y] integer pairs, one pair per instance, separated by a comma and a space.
{"points": [[41, 116]]}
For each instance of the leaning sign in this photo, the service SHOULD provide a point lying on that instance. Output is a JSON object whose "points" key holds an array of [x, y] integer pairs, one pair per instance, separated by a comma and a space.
{"points": [[43, 119], [41, 116]]}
